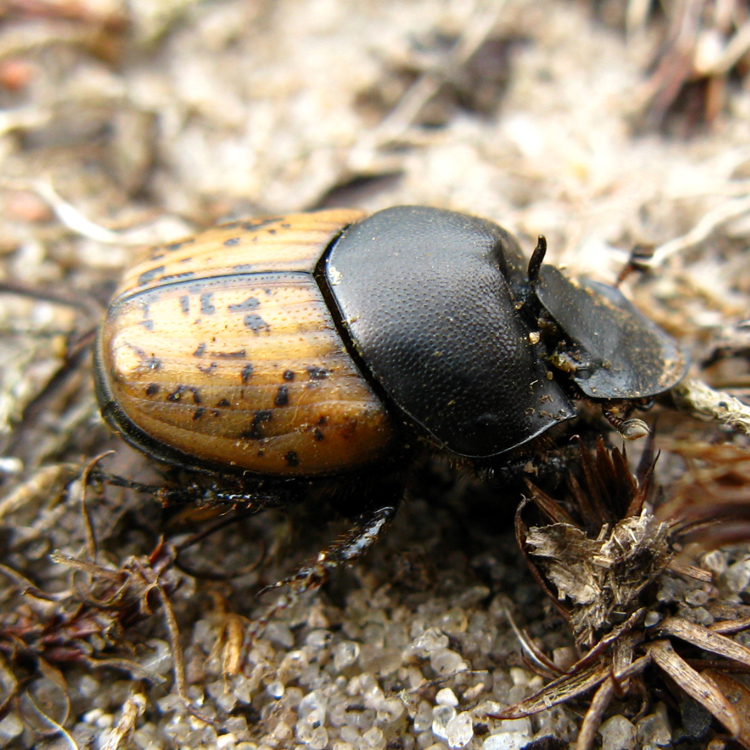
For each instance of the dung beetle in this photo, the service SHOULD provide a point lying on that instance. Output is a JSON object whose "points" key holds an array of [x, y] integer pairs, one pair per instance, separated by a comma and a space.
{"points": [[291, 350]]}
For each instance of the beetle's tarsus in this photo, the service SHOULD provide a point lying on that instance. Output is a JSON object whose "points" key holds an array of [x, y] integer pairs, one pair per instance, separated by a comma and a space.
{"points": [[617, 413]]}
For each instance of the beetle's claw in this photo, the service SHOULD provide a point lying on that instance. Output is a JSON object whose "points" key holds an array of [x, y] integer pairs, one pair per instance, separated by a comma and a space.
{"points": [[616, 413], [632, 429]]}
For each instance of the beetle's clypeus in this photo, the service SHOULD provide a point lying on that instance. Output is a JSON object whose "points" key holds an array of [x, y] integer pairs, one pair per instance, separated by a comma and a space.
{"points": [[319, 344]]}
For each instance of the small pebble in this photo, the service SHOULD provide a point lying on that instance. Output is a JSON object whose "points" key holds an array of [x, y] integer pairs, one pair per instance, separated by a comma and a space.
{"points": [[446, 697], [696, 597], [431, 640], [460, 730], [703, 616], [446, 662], [617, 734], [276, 689], [715, 561], [654, 729], [441, 717], [473, 692], [454, 621], [519, 676], [10, 728], [373, 739], [737, 577], [226, 742], [423, 718], [345, 654], [506, 741]]}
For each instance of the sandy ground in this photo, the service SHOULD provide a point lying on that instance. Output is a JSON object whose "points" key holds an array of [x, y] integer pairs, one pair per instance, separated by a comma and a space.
{"points": [[141, 122]]}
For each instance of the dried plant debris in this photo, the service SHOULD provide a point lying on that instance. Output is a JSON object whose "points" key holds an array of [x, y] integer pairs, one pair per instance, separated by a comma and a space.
{"points": [[703, 401], [606, 559], [710, 502], [707, 43], [142, 121], [87, 625]]}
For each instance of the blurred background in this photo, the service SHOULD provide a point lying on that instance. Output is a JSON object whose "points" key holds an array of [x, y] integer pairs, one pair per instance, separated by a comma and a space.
{"points": [[604, 124]]}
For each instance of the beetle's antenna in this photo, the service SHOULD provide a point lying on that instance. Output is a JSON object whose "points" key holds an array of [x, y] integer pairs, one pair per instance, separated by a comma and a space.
{"points": [[537, 257]]}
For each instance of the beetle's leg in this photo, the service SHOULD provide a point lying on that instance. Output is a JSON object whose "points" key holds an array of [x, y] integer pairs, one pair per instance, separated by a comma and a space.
{"points": [[617, 412], [193, 494], [363, 534], [358, 540]]}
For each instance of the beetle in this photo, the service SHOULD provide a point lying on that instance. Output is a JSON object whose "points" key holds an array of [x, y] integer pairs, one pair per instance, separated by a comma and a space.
{"points": [[290, 351]]}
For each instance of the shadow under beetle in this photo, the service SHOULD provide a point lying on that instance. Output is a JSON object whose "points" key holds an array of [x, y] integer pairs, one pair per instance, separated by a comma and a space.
{"points": [[290, 351]]}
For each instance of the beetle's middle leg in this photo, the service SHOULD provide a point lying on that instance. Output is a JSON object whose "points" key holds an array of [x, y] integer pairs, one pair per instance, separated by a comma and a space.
{"points": [[364, 532], [362, 535]]}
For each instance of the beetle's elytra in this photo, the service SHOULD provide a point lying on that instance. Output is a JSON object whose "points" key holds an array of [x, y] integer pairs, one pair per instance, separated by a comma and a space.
{"points": [[312, 344]]}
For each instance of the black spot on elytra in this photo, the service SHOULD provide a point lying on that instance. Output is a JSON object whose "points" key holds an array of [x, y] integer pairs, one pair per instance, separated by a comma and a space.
{"points": [[256, 431], [199, 412], [318, 435], [185, 304], [247, 372], [289, 375], [200, 351], [208, 369], [252, 225], [286, 226], [232, 241], [249, 304], [181, 390], [150, 275], [207, 306], [282, 396], [255, 323], [223, 403], [292, 458], [176, 394], [177, 245], [239, 354], [271, 231], [322, 420], [152, 389], [317, 373]]}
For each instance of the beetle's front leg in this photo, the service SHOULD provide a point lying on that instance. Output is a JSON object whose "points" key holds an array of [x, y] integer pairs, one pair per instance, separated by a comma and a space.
{"points": [[617, 413]]}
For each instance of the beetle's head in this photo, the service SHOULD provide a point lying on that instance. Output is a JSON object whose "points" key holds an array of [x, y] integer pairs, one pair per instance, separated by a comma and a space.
{"points": [[610, 350]]}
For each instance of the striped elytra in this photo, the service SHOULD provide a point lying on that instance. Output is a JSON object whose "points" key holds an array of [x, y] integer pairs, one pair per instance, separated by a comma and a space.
{"points": [[220, 350]]}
